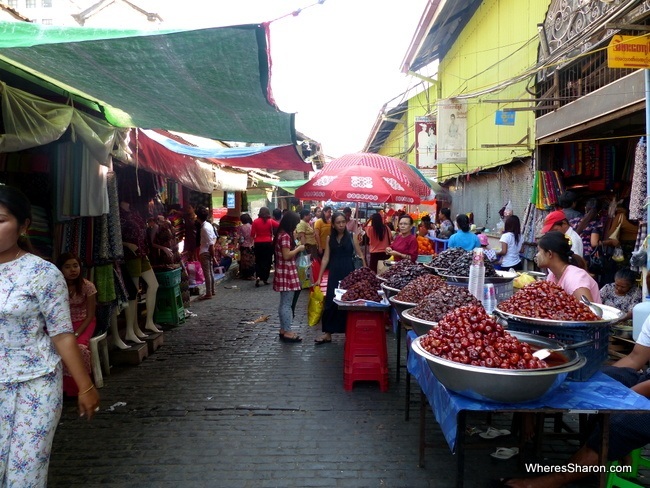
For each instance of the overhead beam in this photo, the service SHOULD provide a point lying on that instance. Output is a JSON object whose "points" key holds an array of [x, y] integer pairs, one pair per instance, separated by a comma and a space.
{"points": [[638, 27]]}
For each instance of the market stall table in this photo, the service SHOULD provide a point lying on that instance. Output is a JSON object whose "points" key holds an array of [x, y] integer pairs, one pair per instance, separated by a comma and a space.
{"points": [[600, 395]]}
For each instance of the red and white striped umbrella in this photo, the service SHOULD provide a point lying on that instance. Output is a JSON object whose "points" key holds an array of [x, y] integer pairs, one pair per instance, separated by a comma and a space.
{"points": [[357, 184], [403, 172]]}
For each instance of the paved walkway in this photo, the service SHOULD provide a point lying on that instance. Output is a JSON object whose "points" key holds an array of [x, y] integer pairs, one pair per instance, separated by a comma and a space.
{"points": [[224, 403]]}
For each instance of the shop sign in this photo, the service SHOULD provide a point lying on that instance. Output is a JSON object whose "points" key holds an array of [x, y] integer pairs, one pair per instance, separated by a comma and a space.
{"points": [[629, 52], [505, 117], [230, 199], [219, 212]]}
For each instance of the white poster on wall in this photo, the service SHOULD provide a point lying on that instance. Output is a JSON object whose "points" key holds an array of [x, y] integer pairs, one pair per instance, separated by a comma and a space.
{"points": [[452, 131], [426, 138]]}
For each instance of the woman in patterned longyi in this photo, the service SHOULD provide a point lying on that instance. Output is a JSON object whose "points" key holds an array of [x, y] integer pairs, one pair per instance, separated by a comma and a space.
{"points": [[35, 334]]}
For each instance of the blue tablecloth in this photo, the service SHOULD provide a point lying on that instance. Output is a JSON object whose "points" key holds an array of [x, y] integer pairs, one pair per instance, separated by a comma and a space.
{"points": [[599, 393]]}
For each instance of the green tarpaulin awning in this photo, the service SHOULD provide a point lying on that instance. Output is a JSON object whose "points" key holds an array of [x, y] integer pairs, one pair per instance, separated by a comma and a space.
{"points": [[209, 82], [288, 186]]}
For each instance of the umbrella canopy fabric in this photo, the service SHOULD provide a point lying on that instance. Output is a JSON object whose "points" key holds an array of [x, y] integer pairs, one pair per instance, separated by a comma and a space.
{"points": [[403, 172], [357, 184]]}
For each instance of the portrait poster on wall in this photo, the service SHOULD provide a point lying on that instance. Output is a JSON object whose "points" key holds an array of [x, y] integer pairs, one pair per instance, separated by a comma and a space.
{"points": [[452, 131], [426, 141]]}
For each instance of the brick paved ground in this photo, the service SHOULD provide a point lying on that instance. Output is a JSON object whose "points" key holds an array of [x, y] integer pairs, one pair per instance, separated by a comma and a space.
{"points": [[224, 403]]}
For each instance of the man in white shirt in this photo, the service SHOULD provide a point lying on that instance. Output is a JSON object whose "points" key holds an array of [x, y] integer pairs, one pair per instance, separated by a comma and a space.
{"points": [[557, 220]]}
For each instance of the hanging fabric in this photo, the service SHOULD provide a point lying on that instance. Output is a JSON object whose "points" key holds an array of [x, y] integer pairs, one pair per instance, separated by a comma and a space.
{"points": [[639, 181]]}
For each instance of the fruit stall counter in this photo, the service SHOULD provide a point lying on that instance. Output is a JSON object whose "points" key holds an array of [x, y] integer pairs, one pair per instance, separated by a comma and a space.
{"points": [[603, 395]]}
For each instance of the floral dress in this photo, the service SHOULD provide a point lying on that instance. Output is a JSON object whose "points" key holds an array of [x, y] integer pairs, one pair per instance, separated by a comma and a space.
{"points": [[33, 307]]}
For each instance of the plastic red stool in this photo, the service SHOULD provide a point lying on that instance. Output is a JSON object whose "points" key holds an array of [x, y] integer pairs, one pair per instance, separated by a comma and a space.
{"points": [[365, 335], [365, 368], [366, 355]]}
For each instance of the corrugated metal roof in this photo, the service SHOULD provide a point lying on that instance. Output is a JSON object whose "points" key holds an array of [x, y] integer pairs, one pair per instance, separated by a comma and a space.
{"points": [[386, 127], [449, 20]]}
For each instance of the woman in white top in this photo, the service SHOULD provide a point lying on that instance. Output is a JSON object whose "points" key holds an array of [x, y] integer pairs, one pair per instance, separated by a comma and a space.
{"points": [[511, 242]]}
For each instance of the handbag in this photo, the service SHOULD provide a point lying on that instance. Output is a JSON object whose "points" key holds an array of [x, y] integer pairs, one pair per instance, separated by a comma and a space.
{"points": [[357, 262], [596, 262], [616, 232]]}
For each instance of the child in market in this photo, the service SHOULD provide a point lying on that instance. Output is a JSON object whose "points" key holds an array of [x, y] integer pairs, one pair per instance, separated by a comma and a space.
{"points": [[82, 294], [487, 252]]}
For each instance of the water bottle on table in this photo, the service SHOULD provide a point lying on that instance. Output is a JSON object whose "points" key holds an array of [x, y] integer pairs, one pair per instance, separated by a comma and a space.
{"points": [[477, 274]]}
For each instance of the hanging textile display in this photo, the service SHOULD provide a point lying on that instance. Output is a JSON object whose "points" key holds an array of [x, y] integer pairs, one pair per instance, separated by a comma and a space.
{"points": [[638, 194], [547, 187]]}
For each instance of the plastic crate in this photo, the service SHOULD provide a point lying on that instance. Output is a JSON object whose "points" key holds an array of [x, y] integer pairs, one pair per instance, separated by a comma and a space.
{"points": [[169, 279], [595, 353], [503, 291]]}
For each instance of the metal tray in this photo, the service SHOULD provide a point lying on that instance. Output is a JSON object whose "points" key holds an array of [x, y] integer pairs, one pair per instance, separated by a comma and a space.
{"points": [[363, 305], [610, 314], [504, 277]]}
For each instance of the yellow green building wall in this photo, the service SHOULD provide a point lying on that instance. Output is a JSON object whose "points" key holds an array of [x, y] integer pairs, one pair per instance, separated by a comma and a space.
{"points": [[498, 44]]}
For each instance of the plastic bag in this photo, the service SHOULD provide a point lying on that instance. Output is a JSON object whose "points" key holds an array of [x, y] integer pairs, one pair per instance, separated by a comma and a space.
{"points": [[303, 263], [195, 273], [315, 306], [618, 255]]}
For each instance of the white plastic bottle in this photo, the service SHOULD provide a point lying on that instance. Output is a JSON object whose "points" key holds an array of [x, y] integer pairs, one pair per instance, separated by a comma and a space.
{"points": [[477, 274], [640, 312]]}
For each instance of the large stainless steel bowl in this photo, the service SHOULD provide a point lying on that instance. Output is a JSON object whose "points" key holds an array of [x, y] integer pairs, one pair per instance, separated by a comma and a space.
{"points": [[502, 385], [610, 315], [502, 277], [420, 326], [399, 305], [389, 291]]}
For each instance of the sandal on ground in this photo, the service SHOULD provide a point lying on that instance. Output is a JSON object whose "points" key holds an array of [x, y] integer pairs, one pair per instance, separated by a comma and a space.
{"points": [[505, 452], [491, 433], [295, 338], [322, 340], [205, 297]]}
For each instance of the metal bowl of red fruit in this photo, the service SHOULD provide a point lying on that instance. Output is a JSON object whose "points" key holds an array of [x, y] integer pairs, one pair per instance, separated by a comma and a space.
{"points": [[494, 384]]}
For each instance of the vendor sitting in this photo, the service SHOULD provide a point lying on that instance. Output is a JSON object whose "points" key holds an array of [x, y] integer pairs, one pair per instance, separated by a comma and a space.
{"points": [[464, 238], [627, 431], [623, 294]]}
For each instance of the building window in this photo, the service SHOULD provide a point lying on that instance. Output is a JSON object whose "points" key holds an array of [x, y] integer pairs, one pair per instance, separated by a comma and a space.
{"points": [[30, 3], [46, 21], [13, 3], [46, 3]]}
